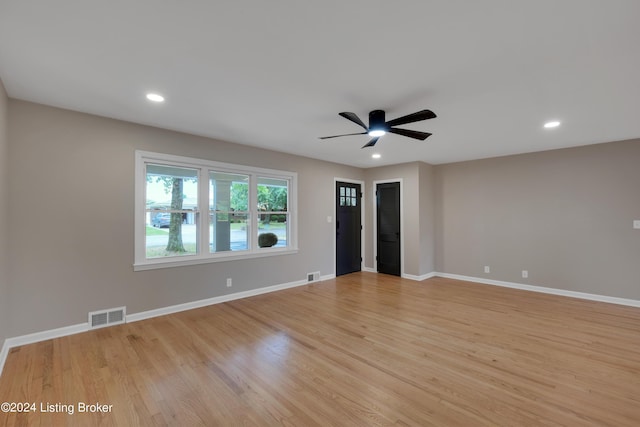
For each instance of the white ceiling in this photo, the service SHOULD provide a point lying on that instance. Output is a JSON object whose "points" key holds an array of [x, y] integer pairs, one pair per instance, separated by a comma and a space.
{"points": [[275, 74]]}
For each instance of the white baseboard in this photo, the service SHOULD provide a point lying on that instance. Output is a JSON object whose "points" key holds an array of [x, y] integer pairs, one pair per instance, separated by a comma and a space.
{"points": [[216, 300], [543, 289], [418, 278], [327, 277], [47, 335], [405, 275]]}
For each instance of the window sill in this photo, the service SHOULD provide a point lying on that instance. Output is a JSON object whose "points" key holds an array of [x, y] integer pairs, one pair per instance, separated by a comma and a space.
{"points": [[198, 259]]}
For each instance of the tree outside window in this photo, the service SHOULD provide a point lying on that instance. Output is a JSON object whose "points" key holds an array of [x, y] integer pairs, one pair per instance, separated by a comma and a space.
{"points": [[169, 210]]}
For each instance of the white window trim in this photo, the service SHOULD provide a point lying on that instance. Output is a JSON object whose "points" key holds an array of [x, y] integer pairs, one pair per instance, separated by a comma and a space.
{"points": [[204, 256]]}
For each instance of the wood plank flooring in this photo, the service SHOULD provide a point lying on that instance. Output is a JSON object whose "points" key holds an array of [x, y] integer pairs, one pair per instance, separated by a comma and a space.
{"points": [[361, 350]]}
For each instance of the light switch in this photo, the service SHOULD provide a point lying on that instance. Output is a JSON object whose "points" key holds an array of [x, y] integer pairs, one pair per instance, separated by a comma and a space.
{"points": [[636, 223], [329, 219]]}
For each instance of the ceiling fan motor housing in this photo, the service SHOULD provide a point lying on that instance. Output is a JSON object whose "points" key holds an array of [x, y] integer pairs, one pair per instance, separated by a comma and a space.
{"points": [[376, 121]]}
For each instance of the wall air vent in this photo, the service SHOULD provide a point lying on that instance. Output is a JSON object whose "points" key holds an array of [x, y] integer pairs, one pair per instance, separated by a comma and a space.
{"points": [[313, 277], [102, 318]]}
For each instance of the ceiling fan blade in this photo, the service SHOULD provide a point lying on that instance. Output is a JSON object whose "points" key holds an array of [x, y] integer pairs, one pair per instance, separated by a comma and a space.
{"points": [[338, 136], [371, 143], [411, 133], [354, 118], [410, 118]]}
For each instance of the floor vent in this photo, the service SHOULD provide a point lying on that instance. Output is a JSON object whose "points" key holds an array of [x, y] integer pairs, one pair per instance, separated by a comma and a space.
{"points": [[313, 277], [102, 318]]}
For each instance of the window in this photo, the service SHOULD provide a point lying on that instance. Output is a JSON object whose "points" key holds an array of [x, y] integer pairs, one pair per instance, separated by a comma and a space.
{"points": [[348, 196], [272, 207], [171, 202], [229, 217], [192, 211]]}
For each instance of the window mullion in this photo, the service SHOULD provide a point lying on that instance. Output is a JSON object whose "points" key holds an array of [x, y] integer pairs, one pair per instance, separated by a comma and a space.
{"points": [[202, 217], [253, 211], [140, 208]]}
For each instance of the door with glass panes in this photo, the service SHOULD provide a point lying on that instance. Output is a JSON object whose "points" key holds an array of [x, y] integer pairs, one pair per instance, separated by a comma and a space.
{"points": [[348, 228]]}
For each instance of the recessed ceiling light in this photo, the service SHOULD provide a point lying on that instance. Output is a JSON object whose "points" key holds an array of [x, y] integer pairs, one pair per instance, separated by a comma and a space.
{"points": [[375, 156], [552, 124], [155, 97]]}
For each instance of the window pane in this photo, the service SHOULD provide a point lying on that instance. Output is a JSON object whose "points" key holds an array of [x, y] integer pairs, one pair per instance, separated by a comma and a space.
{"points": [[272, 194], [276, 228], [228, 192], [157, 241], [171, 211], [273, 218], [228, 231], [160, 183], [228, 205]]}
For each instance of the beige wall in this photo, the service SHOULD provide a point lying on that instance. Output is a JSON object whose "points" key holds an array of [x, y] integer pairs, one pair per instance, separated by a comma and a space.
{"points": [[427, 212], [71, 212], [417, 214], [565, 216], [4, 224]]}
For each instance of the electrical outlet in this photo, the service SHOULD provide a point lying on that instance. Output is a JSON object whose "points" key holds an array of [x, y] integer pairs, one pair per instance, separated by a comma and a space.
{"points": [[487, 269], [525, 274], [229, 283]]}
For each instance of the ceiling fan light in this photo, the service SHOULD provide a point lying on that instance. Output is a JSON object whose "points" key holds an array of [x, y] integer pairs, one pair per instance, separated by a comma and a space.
{"points": [[552, 124], [376, 133], [155, 97]]}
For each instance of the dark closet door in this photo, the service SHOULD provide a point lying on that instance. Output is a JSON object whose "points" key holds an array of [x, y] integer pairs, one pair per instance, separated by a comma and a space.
{"points": [[348, 228], [388, 227]]}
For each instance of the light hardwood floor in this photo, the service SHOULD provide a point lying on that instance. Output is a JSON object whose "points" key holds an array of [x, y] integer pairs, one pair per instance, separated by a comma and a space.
{"points": [[364, 349]]}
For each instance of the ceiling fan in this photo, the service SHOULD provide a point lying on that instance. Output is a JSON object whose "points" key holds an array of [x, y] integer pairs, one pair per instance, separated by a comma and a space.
{"points": [[378, 126]]}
